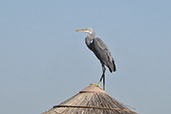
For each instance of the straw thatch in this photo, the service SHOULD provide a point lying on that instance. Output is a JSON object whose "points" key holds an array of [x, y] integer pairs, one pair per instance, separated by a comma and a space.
{"points": [[91, 100]]}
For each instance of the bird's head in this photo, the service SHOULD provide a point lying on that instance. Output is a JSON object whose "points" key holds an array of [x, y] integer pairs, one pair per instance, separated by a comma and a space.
{"points": [[87, 30]]}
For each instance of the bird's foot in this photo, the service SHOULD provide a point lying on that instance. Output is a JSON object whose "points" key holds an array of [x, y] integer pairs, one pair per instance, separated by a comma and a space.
{"points": [[96, 85]]}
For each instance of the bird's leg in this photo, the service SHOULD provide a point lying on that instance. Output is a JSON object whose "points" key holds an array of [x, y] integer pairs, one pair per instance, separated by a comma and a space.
{"points": [[103, 77], [104, 69]]}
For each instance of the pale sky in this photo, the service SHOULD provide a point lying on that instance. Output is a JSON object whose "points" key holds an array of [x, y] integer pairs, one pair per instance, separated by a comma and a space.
{"points": [[43, 61]]}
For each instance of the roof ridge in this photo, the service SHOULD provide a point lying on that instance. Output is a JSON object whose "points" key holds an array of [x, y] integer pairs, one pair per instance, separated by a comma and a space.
{"points": [[92, 89]]}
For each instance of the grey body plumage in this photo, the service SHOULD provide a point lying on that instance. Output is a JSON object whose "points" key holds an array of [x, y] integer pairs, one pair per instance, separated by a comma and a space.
{"points": [[102, 52]]}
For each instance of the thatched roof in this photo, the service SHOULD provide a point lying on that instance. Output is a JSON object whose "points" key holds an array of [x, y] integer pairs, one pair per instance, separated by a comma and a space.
{"points": [[91, 100]]}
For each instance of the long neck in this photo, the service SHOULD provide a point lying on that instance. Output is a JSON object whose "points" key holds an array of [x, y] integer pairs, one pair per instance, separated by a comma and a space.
{"points": [[89, 39]]}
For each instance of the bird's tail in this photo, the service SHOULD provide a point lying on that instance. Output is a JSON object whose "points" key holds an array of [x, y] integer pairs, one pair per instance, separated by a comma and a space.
{"points": [[112, 67]]}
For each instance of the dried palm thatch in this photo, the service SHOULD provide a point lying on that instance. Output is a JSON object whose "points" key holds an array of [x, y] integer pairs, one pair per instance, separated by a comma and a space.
{"points": [[91, 100]]}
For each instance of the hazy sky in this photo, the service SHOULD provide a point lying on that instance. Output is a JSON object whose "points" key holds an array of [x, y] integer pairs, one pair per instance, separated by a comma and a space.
{"points": [[43, 61]]}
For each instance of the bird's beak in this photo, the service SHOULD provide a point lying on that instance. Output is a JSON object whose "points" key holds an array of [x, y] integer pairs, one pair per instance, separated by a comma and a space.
{"points": [[82, 30]]}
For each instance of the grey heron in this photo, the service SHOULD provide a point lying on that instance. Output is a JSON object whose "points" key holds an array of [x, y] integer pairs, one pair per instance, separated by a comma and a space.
{"points": [[101, 51]]}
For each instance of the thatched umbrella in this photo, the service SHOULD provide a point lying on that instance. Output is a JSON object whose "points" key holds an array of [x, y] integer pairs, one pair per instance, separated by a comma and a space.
{"points": [[91, 100]]}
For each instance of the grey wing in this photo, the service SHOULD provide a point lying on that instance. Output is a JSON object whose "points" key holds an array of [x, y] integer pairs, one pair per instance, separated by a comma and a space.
{"points": [[101, 44], [103, 54]]}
